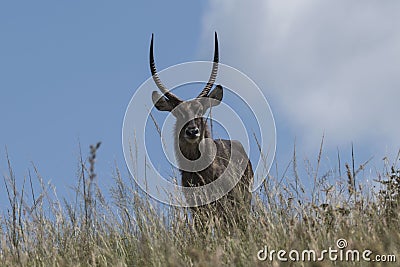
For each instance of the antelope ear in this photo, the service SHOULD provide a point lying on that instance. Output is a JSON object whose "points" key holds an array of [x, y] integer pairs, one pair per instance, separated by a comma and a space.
{"points": [[217, 93], [161, 103], [214, 98]]}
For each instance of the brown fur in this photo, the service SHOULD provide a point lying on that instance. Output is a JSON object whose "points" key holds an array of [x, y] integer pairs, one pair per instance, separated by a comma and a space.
{"points": [[234, 207], [190, 130]]}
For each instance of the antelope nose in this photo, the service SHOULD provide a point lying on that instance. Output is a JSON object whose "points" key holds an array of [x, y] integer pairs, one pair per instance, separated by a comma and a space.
{"points": [[192, 131]]}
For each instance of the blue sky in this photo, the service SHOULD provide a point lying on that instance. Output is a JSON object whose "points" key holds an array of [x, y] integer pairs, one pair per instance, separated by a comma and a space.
{"points": [[68, 70]]}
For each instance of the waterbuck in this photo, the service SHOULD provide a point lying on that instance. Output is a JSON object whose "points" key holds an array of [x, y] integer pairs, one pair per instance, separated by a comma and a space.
{"points": [[201, 159]]}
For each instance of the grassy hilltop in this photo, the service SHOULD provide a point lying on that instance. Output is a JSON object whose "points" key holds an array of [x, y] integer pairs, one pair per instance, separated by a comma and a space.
{"points": [[130, 229]]}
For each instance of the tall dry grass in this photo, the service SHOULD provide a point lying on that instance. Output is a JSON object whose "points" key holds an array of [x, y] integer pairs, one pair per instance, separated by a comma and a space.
{"points": [[131, 229]]}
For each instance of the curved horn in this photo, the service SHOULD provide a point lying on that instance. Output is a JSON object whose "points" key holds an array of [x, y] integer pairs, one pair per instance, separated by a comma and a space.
{"points": [[157, 80], [214, 71]]}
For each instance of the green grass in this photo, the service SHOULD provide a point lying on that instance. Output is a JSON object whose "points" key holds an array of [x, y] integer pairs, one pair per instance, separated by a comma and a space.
{"points": [[131, 229]]}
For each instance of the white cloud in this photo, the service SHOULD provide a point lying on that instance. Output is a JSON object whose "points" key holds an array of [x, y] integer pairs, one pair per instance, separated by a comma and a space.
{"points": [[327, 66]]}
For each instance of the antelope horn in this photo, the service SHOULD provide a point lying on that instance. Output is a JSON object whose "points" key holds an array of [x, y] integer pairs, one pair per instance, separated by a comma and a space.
{"points": [[157, 80], [214, 71]]}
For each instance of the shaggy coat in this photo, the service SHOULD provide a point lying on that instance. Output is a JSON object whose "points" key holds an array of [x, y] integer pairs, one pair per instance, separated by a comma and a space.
{"points": [[194, 144]]}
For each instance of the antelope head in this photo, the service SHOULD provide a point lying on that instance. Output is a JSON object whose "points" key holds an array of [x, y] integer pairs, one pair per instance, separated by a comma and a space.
{"points": [[189, 114]]}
